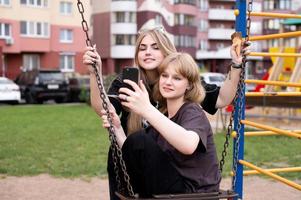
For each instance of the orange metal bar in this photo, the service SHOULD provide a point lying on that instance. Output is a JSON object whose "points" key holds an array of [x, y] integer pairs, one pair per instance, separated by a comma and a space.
{"points": [[274, 36], [276, 130], [283, 94], [267, 133], [277, 83], [276, 15], [275, 54], [275, 170], [279, 178]]}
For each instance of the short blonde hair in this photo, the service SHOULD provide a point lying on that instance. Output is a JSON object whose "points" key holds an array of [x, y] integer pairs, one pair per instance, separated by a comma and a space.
{"points": [[185, 65]]}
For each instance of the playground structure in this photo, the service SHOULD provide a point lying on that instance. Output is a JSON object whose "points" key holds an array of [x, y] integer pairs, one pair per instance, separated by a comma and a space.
{"points": [[283, 59], [243, 23]]}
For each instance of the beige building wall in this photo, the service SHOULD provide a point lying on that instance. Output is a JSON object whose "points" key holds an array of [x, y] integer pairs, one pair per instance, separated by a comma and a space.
{"points": [[100, 6], [51, 14]]}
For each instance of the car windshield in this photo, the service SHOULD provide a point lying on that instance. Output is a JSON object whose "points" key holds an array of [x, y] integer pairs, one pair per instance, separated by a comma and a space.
{"points": [[51, 76], [5, 81], [216, 78]]}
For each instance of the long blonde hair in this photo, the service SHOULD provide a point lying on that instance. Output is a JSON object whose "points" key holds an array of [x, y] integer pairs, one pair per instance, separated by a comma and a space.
{"points": [[165, 45], [183, 64]]}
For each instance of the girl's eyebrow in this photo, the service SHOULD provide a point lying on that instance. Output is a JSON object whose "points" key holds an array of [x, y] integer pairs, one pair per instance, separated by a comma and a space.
{"points": [[154, 44]]}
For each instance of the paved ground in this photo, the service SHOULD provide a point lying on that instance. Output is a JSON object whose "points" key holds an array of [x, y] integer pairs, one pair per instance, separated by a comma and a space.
{"points": [[44, 187]]}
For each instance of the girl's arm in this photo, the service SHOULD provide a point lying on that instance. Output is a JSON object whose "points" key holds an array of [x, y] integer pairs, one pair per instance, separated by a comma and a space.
{"points": [[185, 141], [91, 56], [119, 132], [228, 89]]}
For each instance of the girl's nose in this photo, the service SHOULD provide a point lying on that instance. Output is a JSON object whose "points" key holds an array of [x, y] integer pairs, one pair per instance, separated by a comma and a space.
{"points": [[168, 80], [148, 50]]}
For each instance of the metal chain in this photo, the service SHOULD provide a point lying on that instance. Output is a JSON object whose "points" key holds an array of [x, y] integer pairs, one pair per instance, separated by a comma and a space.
{"points": [[116, 151], [241, 90]]}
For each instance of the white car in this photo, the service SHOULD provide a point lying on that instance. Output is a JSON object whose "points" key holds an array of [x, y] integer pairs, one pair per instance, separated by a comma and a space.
{"points": [[213, 78], [9, 91]]}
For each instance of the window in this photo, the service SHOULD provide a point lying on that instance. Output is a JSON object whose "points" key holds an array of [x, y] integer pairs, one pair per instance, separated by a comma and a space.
{"points": [[35, 3], [5, 30], [203, 26], [277, 4], [67, 62], [203, 4], [120, 17], [271, 24], [66, 8], [34, 29], [66, 36], [124, 39], [31, 61], [203, 45], [181, 19], [184, 41], [4, 2], [158, 20], [124, 17], [191, 2]]}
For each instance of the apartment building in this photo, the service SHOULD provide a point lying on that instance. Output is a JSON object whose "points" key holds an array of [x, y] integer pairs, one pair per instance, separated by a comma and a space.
{"points": [[41, 34], [116, 23], [201, 28]]}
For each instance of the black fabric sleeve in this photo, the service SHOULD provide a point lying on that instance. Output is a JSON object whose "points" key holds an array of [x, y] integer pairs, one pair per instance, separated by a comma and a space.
{"points": [[209, 102], [113, 90]]}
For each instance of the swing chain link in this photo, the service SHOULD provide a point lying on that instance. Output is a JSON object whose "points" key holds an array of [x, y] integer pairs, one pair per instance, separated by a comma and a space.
{"points": [[241, 93], [116, 151]]}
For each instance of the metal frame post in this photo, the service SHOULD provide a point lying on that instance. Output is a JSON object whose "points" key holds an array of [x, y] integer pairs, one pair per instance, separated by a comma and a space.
{"points": [[240, 26]]}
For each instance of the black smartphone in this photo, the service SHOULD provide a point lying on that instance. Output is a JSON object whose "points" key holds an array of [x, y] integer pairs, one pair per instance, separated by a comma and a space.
{"points": [[131, 73]]}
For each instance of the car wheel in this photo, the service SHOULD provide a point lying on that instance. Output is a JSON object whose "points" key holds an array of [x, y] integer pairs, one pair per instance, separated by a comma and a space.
{"points": [[61, 100], [29, 98]]}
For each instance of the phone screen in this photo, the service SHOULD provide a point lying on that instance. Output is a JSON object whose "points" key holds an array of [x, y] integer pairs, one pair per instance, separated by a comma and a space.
{"points": [[131, 73]]}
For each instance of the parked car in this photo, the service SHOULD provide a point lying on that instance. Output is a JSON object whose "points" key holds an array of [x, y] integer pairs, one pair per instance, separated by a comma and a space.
{"points": [[213, 78], [40, 85], [9, 91], [79, 89]]}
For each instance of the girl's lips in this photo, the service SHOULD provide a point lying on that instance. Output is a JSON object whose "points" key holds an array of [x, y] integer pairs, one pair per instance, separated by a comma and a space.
{"points": [[148, 60], [167, 89]]}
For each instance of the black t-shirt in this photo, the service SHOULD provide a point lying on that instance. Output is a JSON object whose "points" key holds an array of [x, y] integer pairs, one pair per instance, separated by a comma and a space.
{"points": [[200, 169], [208, 104]]}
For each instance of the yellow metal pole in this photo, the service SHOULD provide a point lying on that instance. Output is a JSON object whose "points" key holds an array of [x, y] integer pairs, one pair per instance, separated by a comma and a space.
{"points": [[276, 130], [274, 36], [276, 15], [275, 170], [282, 94], [279, 178], [277, 83], [267, 133], [275, 54]]}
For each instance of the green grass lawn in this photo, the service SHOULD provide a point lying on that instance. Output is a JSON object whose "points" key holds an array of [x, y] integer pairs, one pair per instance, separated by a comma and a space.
{"points": [[69, 141]]}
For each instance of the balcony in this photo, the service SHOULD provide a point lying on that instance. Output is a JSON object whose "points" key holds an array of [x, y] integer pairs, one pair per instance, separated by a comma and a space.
{"points": [[122, 51], [124, 28], [220, 33], [123, 6], [221, 14]]}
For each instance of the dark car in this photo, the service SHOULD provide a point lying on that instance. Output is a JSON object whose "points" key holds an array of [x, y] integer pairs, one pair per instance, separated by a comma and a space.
{"points": [[39, 85], [79, 89]]}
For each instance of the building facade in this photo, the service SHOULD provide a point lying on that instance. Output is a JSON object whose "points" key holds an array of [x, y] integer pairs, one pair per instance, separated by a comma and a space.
{"points": [[41, 34], [201, 28], [48, 34]]}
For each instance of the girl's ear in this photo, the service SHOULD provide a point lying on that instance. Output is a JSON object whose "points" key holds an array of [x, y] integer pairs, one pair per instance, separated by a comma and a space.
{"points": [[189, 87]]}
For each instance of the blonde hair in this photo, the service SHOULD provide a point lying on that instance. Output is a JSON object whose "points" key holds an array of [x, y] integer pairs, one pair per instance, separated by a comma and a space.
{"points": [[165, 45], [185, 65]]}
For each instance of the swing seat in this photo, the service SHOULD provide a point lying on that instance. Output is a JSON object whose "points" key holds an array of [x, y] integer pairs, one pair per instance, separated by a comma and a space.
{"points": [[222, 194]]}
